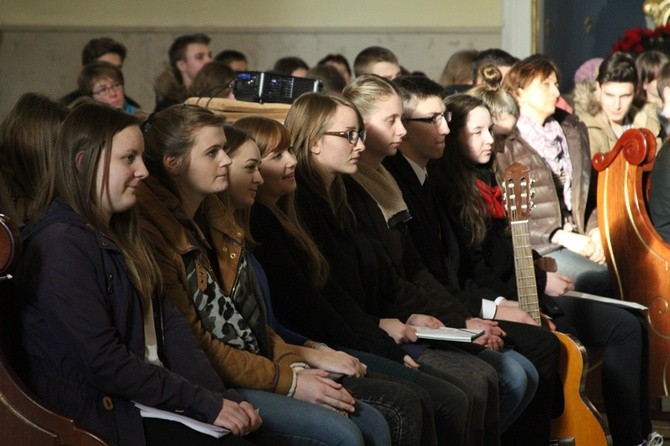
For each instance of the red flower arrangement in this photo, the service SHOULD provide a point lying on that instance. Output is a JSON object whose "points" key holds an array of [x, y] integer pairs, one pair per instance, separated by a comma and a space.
{"points": [[638, 40]]}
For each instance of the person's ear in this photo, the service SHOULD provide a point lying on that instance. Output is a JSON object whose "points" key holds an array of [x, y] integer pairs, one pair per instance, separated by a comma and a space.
{"points": [[666, 94], [181, 65], [78, 160], [316, 147], [172, 164]]}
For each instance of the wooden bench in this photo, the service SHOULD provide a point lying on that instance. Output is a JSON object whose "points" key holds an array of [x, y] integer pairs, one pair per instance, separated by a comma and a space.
{"points": [[23, 420], [637, 257]]}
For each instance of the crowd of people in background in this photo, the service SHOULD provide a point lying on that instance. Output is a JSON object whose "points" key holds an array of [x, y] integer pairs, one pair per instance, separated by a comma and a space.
{"points": [[269, 277]]}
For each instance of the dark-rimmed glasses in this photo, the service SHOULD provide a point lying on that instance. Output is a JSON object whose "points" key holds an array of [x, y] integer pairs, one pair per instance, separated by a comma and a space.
{"points": [[104, 91], [351, 135], [436, 119]]}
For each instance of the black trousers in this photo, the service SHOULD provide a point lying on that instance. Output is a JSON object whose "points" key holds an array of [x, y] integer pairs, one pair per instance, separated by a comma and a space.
{"points": [[542, 348]]}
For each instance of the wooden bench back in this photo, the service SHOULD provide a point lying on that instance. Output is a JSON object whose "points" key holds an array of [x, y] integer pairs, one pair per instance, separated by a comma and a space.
{"points": [[637, 257], [24, 420]]}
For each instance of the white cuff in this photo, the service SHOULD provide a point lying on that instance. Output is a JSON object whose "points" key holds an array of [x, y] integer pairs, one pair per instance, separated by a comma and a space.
{"points": [[488, 309]]}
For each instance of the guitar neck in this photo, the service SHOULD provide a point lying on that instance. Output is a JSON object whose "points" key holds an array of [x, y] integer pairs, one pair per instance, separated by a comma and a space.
{"points": [[525, 270]]}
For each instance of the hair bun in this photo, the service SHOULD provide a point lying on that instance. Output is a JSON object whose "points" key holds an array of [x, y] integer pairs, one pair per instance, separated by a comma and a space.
{"points": [[491, 76]]}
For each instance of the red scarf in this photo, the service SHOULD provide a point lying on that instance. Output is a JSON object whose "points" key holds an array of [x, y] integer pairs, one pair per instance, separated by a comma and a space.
{"points": [[492, 195]]}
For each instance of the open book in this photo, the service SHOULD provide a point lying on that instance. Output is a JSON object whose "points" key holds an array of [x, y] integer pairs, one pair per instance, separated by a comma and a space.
{"points": [[205, 428], [606, 300], [448, 334]]}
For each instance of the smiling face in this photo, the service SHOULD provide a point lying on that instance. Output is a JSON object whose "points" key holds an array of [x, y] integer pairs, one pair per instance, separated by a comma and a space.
{"points": [[205, 170], [616, 98], [385, 130], [476, 137], [538, 99], [126, 170], [424, 140], [335, 154], [278, 171], [244, 175]]}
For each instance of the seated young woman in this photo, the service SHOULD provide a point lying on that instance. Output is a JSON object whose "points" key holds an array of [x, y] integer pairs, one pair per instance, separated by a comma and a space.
{"points": [[206, 276], [98, 337], [401, 404], [384, 216], [484, 235], [341, 309]]}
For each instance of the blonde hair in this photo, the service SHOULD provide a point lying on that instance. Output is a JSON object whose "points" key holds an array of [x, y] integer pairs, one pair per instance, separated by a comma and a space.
{"points": [[367, 90], [458, 70], [498, 100]]}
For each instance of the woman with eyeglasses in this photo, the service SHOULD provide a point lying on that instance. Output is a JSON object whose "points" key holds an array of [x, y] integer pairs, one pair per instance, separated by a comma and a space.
{"points": [[104, 83], [344, 308], [404, 406]]}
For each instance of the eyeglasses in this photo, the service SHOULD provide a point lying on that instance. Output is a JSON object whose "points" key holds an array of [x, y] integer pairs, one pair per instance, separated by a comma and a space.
{"points": [[352, 135], [436, 119], [107, 89]]}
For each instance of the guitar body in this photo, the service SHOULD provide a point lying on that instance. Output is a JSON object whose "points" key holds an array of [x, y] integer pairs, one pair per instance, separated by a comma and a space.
{"points": [[580, 420], [579, 424]]}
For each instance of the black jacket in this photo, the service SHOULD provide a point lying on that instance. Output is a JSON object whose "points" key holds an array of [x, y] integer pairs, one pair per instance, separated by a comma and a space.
{"points": [[82, 330]]}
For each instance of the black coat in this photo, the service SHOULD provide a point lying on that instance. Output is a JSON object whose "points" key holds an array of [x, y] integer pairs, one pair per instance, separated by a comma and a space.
{"points": [[83, 332], [332, 314], [434, 238], [407, 285]]}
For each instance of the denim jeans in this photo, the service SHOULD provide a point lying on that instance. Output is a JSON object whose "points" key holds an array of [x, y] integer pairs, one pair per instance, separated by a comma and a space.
{"points": [[446, 407], [517, 382], [399, 403], [589, 277], [288, 421], [478, 381]]}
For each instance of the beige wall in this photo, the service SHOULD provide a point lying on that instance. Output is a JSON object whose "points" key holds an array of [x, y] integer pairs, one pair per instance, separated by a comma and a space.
{"points": [[256, 13], [41, 41]]}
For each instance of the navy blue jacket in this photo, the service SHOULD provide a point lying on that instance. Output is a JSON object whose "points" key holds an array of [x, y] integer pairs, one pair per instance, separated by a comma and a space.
{"points": [[82, 330]]}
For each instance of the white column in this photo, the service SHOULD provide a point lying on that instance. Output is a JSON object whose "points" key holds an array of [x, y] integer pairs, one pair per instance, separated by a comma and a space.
{"points": [[517, 27]]}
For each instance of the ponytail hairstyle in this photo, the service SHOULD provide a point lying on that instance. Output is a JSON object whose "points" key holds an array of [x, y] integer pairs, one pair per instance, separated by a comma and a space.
{"points": [[307, 120], [84, 145], [272, 137]]}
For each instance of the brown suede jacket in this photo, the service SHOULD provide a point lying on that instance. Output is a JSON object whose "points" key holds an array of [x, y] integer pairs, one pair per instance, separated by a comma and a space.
{"points": [[545, 216], [163, 225], [601, 135]]}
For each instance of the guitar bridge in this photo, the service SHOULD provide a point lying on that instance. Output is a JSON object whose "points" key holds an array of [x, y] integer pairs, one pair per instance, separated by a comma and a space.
{"points": [[562, 442]]}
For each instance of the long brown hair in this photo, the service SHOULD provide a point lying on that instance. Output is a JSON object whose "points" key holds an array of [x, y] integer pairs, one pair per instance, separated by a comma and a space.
{"points": [[456, 173], [306, 122], [84, 145], [27, 139], [172, 132], [271, 137]]}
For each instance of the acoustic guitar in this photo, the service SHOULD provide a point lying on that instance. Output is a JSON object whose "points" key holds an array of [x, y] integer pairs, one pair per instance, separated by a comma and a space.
{"points": [[580, 423]]}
